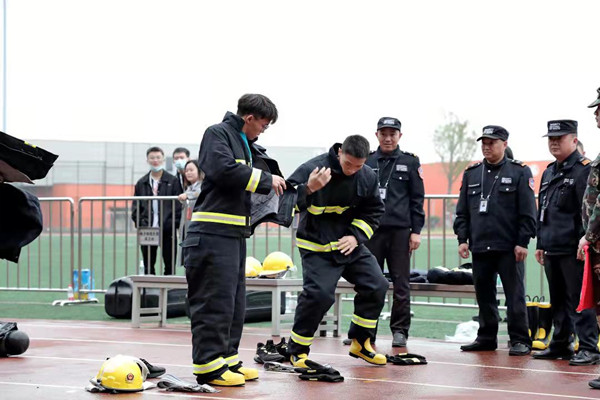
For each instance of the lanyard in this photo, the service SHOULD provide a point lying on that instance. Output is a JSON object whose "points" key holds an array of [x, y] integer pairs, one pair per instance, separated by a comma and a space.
{"points": [[245, 140], [493, 183], [388, 161]]}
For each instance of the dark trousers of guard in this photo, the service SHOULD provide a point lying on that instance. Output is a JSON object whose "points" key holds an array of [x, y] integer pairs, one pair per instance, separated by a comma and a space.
{"points": [[486, 267], [321, 274], [565, 276], [215, 272], [169, 254], [392, 245]]}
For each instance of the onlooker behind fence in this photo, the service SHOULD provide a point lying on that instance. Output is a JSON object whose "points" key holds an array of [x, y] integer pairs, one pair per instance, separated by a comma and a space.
{"points": [[193, 180], [181, 156], [144, 213]]}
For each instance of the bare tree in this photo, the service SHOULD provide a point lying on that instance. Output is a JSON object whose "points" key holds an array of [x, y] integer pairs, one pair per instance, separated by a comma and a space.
{"points": [[455, 145]]}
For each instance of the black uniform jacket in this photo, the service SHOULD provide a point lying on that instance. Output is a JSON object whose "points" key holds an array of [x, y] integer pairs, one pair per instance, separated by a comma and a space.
{"points": [[347, 205], [510, 219], [400, 177], [559, 213], [224, 204], [167, 186]]}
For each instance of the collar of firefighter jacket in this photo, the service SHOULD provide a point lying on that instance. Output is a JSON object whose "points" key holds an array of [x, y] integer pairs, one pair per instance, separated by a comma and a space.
{"points": [[334, 161], [234, 120]]}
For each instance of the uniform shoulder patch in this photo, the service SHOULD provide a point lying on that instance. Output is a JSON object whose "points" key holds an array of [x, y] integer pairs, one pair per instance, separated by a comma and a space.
{"points": [[585, 160], [409, 153], [518, 162], [473, 165]]}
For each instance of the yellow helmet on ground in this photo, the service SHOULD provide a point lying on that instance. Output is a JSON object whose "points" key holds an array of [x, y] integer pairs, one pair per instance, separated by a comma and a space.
{"points": [[121, 373], [253, 267], [276, 265]]}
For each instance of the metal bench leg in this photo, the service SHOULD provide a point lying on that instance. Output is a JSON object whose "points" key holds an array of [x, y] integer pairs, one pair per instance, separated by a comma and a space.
{"points": [[337, 312], [275, 315], [163, 306], [135, 306]]}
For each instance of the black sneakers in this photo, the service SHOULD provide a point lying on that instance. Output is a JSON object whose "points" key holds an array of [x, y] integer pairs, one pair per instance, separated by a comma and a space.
{"points": [[282, 348], [268, 352]]}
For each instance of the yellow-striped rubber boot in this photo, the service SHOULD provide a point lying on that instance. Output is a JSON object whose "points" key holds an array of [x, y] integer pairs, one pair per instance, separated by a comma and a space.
{"points": [[250, 374], [299, 360], [366, 352], [228, 378]]}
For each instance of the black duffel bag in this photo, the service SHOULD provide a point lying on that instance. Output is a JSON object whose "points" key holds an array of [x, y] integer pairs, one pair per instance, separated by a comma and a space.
{"points": [[117, 300]]}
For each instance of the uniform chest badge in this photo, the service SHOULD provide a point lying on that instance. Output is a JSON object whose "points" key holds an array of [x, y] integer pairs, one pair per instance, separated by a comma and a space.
{"points": [[507, 180], [401, 168]]}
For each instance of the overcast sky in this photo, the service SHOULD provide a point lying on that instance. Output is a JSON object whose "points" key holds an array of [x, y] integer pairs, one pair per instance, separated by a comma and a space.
{"points": [[164, 70]]}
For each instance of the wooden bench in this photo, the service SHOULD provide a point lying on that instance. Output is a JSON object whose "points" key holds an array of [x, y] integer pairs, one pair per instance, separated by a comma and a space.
{"points": [[276, 287]]}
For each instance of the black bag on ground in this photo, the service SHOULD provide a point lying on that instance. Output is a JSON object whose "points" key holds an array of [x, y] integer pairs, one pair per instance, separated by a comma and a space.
{"points": [[117, 300], [258, 306]]}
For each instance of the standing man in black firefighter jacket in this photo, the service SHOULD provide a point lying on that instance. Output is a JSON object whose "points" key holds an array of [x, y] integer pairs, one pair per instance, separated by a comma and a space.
{"points": [[215, 247], [399, 234], [495, 215], [559, 229], [340, 209]]}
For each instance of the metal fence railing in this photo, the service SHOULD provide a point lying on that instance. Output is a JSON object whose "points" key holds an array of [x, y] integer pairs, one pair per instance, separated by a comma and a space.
{"points": [[100, 236]]}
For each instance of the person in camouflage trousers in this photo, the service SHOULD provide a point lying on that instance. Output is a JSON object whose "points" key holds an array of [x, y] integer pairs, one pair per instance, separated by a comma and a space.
{"points": [[591, 206], [591, 224]]}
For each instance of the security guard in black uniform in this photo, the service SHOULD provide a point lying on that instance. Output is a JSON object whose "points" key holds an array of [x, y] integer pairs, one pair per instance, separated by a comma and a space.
{"points": [[558, 230], [340, 209], [399, 234], [495, 215], [215, 247]]}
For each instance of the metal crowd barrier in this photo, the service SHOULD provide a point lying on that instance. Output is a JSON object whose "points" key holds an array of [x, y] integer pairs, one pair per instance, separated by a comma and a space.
{"points": [[104, 241]]}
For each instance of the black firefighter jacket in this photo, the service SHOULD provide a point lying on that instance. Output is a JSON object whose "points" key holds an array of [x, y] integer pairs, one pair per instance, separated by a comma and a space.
{"points": [[347, 205], [224, 206], [167, 186]]}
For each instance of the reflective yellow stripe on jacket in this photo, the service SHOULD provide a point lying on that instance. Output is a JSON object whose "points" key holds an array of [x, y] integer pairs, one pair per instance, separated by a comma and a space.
{"points": [[316, 210], [219, 218], [254, 180], [363, 226], [365, 323], [312, 246], [209, 367]]}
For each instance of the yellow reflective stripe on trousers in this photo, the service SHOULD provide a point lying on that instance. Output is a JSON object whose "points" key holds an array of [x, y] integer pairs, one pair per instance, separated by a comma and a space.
{"points": [[209, 367], [303, 340], [233, 360], [363, 226], [240, 161], [365, 323], [316, 210], [254, 180], [312, 246], [229, 219]]}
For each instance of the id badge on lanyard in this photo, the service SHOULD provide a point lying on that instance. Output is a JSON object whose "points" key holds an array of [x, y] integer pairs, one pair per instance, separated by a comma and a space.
{"points": [[483, 206], [382, 192]]}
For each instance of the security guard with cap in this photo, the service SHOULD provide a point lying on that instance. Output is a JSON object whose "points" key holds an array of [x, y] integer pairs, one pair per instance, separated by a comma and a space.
{"points": [[340, 208], [559, 228], [399, 234], [214, 250], [495, 219]]}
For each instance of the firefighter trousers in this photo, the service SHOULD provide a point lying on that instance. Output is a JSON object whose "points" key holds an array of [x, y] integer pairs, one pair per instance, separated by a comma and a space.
{"points": [[215, 272], [321, 274]]}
